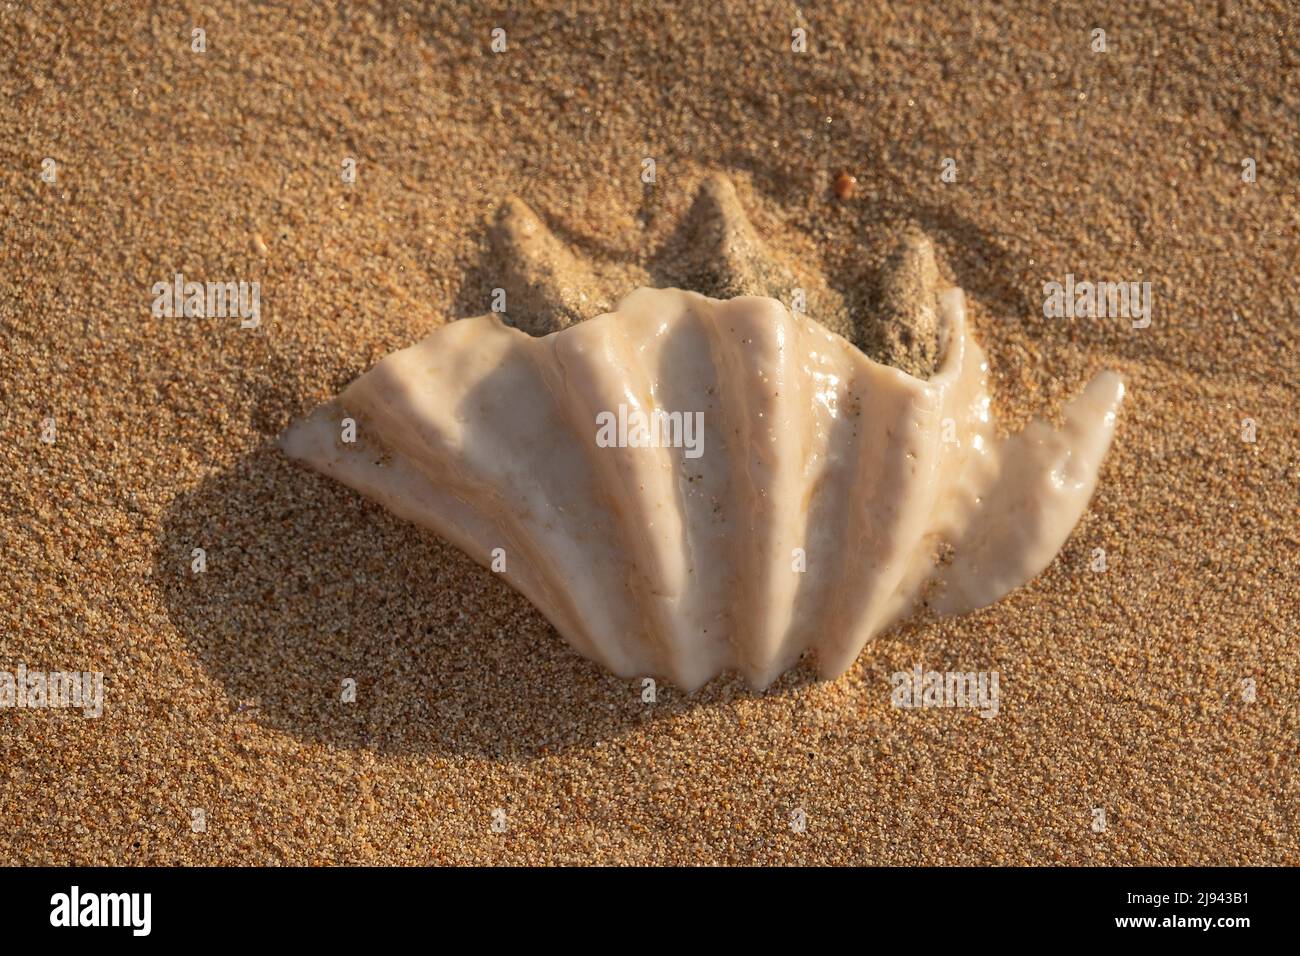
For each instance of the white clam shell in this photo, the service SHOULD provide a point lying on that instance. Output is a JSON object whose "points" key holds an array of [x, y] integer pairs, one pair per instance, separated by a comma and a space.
{"points": [[658, 564]]}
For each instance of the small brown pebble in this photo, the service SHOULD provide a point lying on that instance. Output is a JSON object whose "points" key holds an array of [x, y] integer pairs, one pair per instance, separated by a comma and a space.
{"points": [[259, 244], [845, 186]]}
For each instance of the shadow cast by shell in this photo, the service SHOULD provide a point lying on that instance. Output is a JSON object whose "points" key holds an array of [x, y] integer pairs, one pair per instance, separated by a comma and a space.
{"points": [[307, 584]]}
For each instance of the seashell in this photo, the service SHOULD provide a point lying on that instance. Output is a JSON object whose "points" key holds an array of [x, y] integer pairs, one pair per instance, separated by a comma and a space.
{"points": [[688, 485]]}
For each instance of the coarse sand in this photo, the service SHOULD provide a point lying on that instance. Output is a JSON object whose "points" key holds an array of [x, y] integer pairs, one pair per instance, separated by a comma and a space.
{"points": [[1163, 691]]}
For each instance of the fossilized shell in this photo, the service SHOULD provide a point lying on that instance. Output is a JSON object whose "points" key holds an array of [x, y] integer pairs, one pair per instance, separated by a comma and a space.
{"points": [[832, 492]]}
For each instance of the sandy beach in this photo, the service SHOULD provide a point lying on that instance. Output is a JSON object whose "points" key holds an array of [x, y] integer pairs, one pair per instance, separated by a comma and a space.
{"points": [[1163, 692]]}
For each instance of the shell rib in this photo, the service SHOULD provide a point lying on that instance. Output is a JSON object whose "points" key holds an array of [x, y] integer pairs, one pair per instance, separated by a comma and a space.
{"points": [[656, 563], [715, 251], [557, 287]]}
